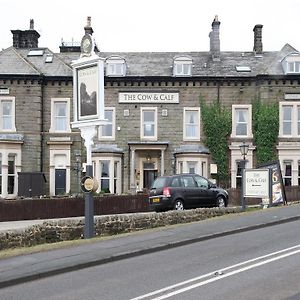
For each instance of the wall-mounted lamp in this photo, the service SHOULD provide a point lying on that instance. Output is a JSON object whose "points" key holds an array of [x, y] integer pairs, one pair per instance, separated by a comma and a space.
{"points": [[244, 150]]}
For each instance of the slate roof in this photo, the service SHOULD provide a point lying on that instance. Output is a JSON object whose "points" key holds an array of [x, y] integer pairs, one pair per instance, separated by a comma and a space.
{"points": [[161, 63], [141, 64], [15, 61]]}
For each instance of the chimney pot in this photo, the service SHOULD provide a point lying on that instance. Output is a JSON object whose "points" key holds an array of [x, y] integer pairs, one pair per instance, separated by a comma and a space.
{"points": [[88, 28], [214, 36], [258, 45], [26, 38]]}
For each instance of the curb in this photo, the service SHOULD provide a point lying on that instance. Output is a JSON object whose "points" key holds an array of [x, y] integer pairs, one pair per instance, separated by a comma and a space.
{"points": [[64, 269]]}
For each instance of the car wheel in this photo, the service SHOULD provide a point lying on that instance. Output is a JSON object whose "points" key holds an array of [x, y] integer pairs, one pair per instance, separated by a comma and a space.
{"points": [[178, 205], [221, 202]]}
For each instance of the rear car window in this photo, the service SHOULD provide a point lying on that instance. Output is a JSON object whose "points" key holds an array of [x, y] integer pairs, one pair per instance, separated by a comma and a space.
{"points": [[188, 181], [176, 182], [159, 183]]}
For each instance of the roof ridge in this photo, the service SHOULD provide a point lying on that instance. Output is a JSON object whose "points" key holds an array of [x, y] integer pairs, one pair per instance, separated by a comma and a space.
{"points": [[57, 56], [26, 61]]}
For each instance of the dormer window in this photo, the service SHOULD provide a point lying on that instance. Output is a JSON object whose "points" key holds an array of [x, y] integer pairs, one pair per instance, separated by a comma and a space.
{"points": [[182, 66], [115, 66], [291, 63]]}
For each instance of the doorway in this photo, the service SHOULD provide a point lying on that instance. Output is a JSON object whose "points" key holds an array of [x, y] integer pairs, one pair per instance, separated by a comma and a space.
{"points": [[149, 177], [60, 181]]}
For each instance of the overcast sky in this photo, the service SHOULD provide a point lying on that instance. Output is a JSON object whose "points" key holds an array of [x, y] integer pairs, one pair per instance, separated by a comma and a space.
{"points": [[156, 25]]}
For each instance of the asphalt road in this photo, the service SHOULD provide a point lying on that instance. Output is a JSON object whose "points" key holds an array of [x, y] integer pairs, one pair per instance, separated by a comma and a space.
{"points": [[258, 264]]}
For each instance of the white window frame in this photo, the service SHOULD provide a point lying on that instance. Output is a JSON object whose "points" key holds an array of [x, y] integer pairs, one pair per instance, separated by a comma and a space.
{"points": [[10, 151], [143, 137], [115, 169], [12, 157], [112, 123], [287, 177], [292, 67], [295, 118], [249, 120], [13, 114], [53, 117], [115, 66], [200, 163], [185, 136], [182, 66]]}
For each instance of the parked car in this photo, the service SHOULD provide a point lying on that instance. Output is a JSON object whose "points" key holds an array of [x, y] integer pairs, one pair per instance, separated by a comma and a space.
{"points": [[185, 191]]}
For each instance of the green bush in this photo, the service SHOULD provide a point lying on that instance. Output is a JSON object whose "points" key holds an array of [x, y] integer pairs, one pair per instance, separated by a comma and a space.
{"points": [[265, 130], [217, 128]]}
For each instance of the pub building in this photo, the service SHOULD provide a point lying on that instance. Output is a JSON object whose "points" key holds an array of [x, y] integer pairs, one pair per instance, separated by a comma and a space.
{"points": [[152, 107]]}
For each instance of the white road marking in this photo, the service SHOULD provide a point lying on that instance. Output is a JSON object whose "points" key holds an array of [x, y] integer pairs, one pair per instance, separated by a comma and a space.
{"points": [[251, 266]]}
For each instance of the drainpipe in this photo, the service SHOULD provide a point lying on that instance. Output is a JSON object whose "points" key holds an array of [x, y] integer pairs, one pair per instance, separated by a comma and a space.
{"points": [[42, 124]]}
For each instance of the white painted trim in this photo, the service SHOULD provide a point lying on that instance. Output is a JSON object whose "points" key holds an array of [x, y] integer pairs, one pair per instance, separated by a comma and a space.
{"points": [[197, 137], [52, 126], [109, 138], [12, 99], [247, 107], [148, 138]]}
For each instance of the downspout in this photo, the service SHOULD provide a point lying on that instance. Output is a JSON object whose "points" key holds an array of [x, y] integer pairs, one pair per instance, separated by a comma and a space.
{"points": [[42, 124]]}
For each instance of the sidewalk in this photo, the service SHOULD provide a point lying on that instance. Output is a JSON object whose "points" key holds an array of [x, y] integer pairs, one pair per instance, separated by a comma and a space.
{"points": [[33, 266]]}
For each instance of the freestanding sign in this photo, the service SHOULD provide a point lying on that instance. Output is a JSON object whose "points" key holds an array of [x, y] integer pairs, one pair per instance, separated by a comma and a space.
{"points": [[257, 183], [278, 191], [88, 108]]}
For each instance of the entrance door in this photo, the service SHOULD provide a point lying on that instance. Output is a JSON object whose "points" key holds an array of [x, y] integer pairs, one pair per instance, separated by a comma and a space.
{"points": [[149, 177], [60, 181]]}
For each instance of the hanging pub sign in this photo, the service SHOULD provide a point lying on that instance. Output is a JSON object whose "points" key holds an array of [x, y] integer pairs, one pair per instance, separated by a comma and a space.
{"points": [[88, 86], [87, 91], [278, 191]]}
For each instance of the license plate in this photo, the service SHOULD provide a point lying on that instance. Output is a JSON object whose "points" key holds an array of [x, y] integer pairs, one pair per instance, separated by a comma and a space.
{"points": [[155, 200]]}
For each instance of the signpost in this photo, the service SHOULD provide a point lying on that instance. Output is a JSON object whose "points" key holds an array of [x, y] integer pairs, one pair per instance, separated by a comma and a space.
{"points": [[266, 183], [257, 184], [88, 108]]}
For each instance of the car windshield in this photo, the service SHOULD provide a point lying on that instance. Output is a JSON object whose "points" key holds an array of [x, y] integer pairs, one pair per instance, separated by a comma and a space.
{"points": [[159, 183]]}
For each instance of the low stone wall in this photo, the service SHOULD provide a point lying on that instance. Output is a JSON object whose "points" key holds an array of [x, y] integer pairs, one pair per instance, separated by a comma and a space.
{"points": [[52, 231]]}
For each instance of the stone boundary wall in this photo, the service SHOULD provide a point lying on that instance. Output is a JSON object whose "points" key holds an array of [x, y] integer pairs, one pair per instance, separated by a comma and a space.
{"points": [[52, 231]]}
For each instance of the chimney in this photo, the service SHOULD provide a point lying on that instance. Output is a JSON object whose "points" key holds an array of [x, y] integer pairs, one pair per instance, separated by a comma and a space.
{"points": [[26, 38], [88, 28], [258, 46], [214, 36], [31, 26]]}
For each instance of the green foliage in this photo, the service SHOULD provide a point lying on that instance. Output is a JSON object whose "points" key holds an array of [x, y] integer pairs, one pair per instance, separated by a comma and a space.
{"points": [[265, 130], [217, 127]]}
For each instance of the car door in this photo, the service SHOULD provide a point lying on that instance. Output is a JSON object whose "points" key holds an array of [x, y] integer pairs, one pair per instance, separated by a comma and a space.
{"points": [[191, 191], [206, 194]]}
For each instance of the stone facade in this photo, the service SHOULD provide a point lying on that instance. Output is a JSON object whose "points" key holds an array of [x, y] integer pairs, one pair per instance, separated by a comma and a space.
{"points": [[144, 138]]}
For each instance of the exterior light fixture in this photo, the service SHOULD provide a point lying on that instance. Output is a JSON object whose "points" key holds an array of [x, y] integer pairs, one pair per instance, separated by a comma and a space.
{"points": [[244, 151]]}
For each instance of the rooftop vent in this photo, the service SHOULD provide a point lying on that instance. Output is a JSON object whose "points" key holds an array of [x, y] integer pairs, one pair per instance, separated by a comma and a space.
{"points": [[36, 52], [243, 69]]}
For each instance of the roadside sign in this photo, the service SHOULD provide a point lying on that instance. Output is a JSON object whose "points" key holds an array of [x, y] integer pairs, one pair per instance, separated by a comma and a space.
{"points": [[257, 183], [278, 191], [88, 184]]}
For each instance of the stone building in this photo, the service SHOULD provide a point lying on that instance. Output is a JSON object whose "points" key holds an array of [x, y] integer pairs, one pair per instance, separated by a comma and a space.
{"points": [[152, 104]]}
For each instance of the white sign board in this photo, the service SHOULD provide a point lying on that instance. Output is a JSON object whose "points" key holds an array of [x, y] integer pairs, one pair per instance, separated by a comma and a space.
{"points": [[88, 92], [256, 183], [146, 97]]}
